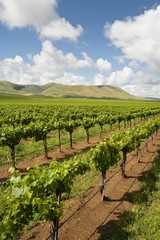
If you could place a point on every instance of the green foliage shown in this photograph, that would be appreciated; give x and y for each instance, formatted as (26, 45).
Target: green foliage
(124, 141)
(34, 196)
(104, 155)
(37, 121)
(10, 136)
(71, 125)
(101, 120)
(59, 124)
(39, 129)
(87, 123)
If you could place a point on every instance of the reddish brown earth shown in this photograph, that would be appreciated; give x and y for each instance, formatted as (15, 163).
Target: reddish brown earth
(92, 220)
(66, 152)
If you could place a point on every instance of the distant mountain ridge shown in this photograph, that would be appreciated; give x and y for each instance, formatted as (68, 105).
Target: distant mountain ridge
(60, 90)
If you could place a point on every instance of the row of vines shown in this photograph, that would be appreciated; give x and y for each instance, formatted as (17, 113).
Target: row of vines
(38, 122)
(37, 196)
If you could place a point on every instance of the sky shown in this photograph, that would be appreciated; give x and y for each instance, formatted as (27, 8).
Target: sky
(82, 42)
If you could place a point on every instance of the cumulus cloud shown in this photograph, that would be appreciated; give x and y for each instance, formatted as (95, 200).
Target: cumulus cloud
(103, 65)
(143, 90)
(99, 79)
(116, 78)
(50, 65)
(41, 15)
(16, 70)
(141, 77)
(71, 79)
(86, 62)
(59, 29)
(138, 37)
(137, 83)
(16, 60)
(22, 13)
(121, 77)
(53, 59)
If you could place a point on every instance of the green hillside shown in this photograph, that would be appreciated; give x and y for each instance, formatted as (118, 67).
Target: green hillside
(66, 91)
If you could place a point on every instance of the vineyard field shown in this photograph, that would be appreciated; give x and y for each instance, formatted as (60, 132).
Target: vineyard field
(102, 113)
(93, 218)
(110, 132)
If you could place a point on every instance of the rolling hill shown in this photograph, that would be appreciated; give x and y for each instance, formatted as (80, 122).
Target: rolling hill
(66, 91)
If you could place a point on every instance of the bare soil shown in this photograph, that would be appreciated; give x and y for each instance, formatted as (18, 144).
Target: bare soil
(96, 216)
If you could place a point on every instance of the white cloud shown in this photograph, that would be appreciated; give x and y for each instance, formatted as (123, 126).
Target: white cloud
(138, 37)
(99, 79)
(116, 78)
(59, 29)
(134, 64)
(52, 59)
(16, 60)
(86, 62)
(143, 90)
(23, 13)
(136, 83)
(141, 78)
(103, 65)
(16, 71)
(39, 14)
(121, 78)
(71, 79)
(50, 65)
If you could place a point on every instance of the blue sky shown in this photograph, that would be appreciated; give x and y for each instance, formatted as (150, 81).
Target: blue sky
(89, 42)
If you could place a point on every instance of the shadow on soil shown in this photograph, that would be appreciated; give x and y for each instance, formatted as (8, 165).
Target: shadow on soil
(117, 229)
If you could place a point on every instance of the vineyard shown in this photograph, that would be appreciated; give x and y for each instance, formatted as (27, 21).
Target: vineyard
(39, 193)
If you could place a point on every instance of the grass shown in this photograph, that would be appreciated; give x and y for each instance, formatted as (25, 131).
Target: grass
(143, 222)
(12, 98)
(146, 212)
(84, 182)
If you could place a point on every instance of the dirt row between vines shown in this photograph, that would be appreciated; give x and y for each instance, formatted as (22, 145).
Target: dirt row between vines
(66, 152)
(93, 220)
